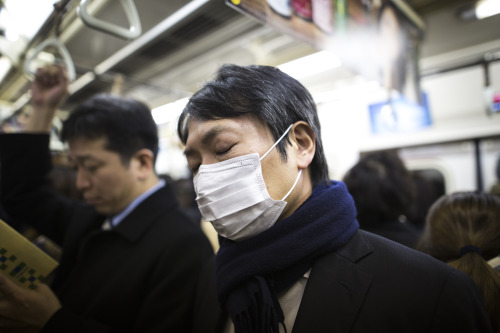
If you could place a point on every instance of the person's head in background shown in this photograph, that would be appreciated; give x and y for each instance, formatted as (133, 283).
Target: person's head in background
(463, 230)
(113, 142)
(258, 104)
(429, 186)
(382, 188)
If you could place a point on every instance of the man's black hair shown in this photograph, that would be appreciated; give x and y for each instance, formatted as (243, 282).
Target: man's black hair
(262, 91)
(126, 124)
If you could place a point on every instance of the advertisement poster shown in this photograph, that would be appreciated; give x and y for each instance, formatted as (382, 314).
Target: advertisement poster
(379, 39)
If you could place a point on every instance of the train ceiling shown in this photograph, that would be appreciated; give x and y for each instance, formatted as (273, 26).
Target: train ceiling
(176, 53)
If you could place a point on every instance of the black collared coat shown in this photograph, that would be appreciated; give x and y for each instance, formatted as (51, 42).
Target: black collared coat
(142, 276)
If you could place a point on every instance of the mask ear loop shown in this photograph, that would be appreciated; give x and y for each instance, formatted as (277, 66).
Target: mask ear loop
(272, 147)
(296, 181)
(288, 129)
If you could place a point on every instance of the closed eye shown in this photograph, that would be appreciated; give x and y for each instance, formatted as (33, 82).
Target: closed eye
(91, 168)
(223, 152)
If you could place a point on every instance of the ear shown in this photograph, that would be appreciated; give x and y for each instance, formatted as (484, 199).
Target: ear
(303, 141)
(143, 160)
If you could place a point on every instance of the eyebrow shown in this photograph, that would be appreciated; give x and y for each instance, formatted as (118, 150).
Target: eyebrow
(208, 137)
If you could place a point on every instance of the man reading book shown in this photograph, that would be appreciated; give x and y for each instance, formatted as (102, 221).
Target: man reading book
(132, 260)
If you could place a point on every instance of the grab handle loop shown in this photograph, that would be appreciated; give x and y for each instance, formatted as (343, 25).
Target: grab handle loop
(54, 42)
(130, 12)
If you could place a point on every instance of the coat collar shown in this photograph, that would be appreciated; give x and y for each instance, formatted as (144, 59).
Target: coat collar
(143, 216)
(335, 290)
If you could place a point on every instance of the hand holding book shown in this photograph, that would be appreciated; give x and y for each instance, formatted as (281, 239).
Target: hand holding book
(21, 260)
(24, 300)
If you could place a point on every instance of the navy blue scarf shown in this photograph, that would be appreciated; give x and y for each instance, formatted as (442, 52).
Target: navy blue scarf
(252, 272)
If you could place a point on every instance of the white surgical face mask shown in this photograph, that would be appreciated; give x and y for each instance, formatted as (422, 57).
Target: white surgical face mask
(232, 196)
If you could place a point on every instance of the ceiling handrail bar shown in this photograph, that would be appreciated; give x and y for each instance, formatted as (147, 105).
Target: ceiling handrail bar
(54, 42)
(130, 10)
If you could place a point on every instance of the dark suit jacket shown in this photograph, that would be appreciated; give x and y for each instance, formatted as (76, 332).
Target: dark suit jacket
(376, 285)
(403, 233)
(142, 276)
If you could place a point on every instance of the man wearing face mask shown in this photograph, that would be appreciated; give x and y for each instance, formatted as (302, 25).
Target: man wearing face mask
(292, 257)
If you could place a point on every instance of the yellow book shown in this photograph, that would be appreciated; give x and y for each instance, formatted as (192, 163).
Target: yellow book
(21, 260)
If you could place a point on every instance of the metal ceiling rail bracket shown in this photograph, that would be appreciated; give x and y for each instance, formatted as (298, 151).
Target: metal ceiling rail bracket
(130, 10)
(54, 42)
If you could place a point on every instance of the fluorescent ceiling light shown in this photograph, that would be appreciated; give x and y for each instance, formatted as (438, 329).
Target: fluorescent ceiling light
(27, 16)
(168, 112)
(487, 8)
(311, 64)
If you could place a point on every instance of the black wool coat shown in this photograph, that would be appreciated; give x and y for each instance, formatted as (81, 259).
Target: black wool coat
(142, 276)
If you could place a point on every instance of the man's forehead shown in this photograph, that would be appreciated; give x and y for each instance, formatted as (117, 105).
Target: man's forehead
(204, 131)
(215, 126)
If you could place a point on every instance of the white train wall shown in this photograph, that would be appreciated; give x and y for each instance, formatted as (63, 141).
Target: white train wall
(462, 137)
